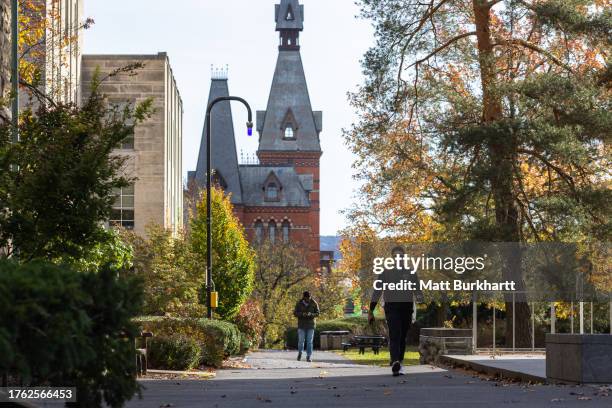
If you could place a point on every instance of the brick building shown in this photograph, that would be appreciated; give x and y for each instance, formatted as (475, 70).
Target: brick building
(278, 198)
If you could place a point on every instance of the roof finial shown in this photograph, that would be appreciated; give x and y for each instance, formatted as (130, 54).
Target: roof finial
(219, 73)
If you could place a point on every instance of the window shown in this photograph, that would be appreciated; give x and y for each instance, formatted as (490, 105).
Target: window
(128, 143)
(272, 232)
(123, 209)
(289, 126)
(117, 111)
(258, 231)
(286, 228)
(272, 192)
(290, 14)
(289, 134)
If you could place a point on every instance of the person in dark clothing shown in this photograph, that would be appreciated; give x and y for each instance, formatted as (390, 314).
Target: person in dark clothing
(399, 307)
(306, 310)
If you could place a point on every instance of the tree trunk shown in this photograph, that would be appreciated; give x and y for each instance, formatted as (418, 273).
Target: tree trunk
(5, 60)
(502, 151)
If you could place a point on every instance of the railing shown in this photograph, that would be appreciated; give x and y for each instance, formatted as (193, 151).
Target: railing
(552, 323)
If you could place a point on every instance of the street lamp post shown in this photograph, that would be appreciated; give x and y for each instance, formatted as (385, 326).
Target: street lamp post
(209, 281)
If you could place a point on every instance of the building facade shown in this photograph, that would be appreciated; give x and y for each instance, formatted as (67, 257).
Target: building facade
(52, 49)
(5, 59)
(155, 153)
(278, 198)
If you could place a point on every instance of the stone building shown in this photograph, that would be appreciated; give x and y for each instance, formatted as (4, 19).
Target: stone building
(155, 153)
(278, 198)
(5, 59)
(57, 55)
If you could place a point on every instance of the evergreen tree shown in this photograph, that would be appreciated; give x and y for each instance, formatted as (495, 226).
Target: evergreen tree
(56, 183)
(486, 120)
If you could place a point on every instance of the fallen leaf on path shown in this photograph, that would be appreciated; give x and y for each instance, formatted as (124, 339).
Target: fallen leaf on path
(263, 399)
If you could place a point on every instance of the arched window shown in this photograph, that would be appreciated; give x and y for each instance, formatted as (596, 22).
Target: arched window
(272, 192)
(272, 232)
(286, 228)
(289, 133)
(258, 231)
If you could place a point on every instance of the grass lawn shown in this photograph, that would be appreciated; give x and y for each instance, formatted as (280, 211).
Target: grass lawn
(382, 359)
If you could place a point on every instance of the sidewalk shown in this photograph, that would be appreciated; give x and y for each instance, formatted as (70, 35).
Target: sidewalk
(277, 380)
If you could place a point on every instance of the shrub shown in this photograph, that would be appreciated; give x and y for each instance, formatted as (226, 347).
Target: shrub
(218, 339)
(60, 327)
(245, 343)
(250, 320)
(354, 325)
(174, 353)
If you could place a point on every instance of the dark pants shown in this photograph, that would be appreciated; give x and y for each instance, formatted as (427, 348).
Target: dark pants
(399, 319)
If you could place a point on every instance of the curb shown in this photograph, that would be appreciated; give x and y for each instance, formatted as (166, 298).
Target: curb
(493, 371)
(204, 375)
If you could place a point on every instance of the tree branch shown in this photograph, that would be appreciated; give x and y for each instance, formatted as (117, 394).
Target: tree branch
(566, 177)
(533, 47)
(442, 47)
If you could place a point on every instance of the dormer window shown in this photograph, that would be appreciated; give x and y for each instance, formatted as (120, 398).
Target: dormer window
(289, 126)
(290, 16)
(289, 134)
(272, 192)
(272, 188)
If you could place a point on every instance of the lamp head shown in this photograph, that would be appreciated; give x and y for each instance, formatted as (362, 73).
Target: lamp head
(250, 128)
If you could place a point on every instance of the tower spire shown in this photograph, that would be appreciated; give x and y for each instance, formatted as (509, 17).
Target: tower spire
(289, 23)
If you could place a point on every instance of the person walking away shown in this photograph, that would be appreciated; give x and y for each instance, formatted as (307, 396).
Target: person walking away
(306, 311)
(399, 307)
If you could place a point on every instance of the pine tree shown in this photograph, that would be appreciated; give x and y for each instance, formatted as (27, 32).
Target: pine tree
(487, 120)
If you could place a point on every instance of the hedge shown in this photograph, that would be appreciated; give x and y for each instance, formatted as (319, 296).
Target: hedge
(354, 325)
(61, 327)
(174, 353)
(217, 339)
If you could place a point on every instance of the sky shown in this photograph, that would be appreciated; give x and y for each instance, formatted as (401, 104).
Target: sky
(241, 34)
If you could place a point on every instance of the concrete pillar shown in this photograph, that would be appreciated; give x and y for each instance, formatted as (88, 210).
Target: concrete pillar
(581, 317)
(474, 323)
(494, 328)
(572, 317)
(553, 318)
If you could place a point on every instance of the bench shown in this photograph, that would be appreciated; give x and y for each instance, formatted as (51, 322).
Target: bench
(141, 344)
(363, 342)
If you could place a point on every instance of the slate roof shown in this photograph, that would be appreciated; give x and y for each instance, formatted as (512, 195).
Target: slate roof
(224, 156)
(297, 23)
(293, 193)
(289, 91)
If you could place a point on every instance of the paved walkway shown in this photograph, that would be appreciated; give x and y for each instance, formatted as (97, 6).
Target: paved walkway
(277, 380)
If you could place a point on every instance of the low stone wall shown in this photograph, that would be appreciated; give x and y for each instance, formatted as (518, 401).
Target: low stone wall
(579, 358)
(438, 341)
